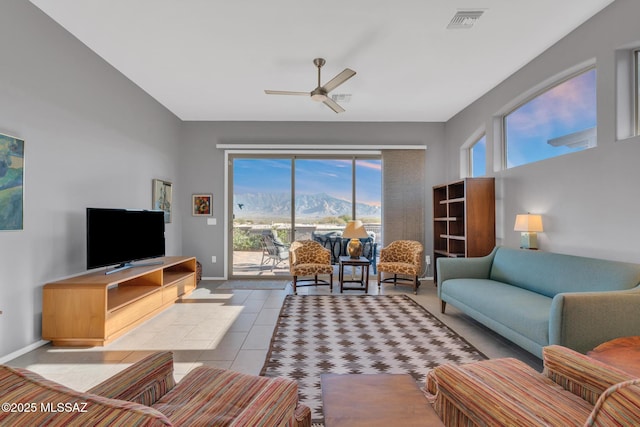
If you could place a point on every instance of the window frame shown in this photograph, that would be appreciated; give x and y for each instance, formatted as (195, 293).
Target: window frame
(636, 90)
(296, 160)
(533, 93)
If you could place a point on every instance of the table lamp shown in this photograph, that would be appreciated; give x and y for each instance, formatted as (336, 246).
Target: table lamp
(354, 231)
(528, 225)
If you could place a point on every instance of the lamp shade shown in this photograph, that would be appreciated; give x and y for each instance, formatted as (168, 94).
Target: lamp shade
(528, 223)
(354, 230)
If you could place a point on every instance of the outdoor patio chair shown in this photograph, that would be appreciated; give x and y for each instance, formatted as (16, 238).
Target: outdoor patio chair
(337, 245)
(273, 250)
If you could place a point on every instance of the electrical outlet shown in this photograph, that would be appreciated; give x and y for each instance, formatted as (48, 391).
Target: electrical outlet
(428, 259)
(214, 259)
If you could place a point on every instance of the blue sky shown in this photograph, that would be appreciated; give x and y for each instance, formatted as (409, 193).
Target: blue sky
(565, 109)
(313, 176)
(479, 157)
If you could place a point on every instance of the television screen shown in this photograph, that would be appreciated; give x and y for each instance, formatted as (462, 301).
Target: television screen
(120, 236)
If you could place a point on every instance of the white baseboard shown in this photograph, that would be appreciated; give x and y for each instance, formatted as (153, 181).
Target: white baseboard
(22, 351)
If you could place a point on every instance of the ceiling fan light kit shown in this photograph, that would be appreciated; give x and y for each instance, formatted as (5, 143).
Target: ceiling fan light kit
(321, 93)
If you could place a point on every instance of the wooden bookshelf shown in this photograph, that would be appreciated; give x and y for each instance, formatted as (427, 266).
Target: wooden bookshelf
(464, 219)
(95, 308)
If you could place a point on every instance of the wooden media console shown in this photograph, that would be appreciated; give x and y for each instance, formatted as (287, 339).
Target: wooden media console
(94, 309)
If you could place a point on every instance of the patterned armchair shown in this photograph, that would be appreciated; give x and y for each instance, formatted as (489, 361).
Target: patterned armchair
(404, 258)
(309, 258)
(572, 390)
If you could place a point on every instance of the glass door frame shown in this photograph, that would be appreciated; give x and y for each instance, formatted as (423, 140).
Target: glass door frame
(353, 156)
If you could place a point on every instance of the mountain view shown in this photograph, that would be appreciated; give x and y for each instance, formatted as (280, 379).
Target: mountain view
(263, 205)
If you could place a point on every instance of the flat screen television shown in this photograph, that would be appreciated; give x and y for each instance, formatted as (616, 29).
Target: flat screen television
(117, 237)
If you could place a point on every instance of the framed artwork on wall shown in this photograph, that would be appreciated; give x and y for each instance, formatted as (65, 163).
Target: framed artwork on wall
(201, 205)
(162, 198)
(11, 183)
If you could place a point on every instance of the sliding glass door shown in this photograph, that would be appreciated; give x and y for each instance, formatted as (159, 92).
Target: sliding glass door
(261, 215)
(318, 195)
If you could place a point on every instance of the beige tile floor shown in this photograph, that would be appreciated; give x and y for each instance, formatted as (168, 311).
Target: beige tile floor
(229, 329)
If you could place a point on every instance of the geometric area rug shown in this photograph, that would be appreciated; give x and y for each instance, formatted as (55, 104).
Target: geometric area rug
(358, 334)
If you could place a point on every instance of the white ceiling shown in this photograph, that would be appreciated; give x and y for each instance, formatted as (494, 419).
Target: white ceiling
(212, 59)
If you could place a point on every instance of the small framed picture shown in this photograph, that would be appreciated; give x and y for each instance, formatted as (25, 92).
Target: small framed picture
(162, 198)
(201, 205)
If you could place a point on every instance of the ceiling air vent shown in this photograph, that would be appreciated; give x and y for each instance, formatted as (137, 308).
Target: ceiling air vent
(464, 19)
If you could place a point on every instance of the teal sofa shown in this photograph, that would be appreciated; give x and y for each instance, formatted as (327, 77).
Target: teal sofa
(536, 298)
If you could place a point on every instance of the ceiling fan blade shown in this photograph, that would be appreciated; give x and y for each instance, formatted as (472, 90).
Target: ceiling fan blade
(333, 105)
(345, 75)
(286, 92)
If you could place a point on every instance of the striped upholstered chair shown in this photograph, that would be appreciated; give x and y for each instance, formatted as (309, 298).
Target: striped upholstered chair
(308, 258)
(145, 394)
(403, 259)
(573, 390)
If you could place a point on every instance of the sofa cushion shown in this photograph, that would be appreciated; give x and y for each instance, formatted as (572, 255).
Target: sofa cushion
(518, 309)
(551, 273)
(210, 396)
(503, 392)
(38, 401)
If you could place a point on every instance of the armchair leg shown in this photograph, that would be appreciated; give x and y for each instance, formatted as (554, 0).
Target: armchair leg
(416, 284)
(295, 291)
(379, 280)
(330, 283)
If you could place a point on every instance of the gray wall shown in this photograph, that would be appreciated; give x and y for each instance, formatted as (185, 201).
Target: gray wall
(589, 200)
(92, 138)
(202, 167)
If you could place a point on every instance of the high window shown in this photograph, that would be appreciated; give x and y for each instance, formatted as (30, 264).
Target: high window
(478, 157)
(559, 121)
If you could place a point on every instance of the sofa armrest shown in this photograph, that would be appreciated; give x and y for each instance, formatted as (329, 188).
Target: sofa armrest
(463, 268)
(619, 402)
(144, 382)
(42, 402)
(584, 320)
(583, 376)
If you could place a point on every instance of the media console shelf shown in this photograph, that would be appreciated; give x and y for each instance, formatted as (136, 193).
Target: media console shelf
(94, 309)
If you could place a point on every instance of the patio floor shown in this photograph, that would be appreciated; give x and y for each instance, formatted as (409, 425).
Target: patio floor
(250, 263)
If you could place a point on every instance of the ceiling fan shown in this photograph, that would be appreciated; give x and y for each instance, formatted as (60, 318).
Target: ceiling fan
(321, 93)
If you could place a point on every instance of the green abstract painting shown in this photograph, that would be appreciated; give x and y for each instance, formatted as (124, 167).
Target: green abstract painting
(11, 179)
